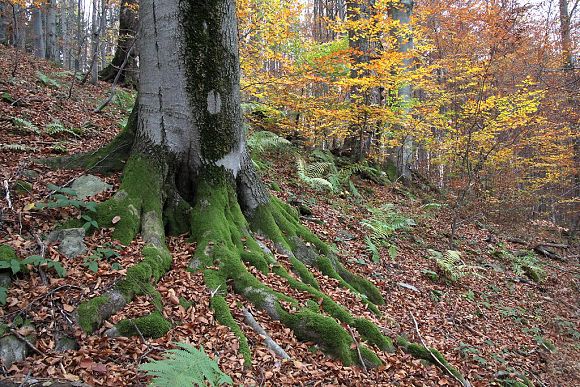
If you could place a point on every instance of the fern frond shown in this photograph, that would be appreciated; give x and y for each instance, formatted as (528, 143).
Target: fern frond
(186, 366)
(314, 182)
(24, 125)
(55, 128)
(17, 148)
(263, 141)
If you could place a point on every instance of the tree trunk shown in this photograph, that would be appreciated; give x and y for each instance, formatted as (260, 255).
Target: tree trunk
(565, 39)
(39, 42)
(3, 23)
(51, 44)
(94, 43)
(64, 19)
(128, 22)
(188, 169)
(402, 13)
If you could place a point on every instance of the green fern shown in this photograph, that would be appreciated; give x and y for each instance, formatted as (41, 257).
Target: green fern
(47, 81)
(385, 221)
(263, 141)
(315, 182)
(56, 128)
(17, 148)
(24, 125)
(451, 265)
(186, 367)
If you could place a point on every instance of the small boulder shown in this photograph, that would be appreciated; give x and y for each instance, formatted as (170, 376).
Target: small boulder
(71, 241)
(12, 349)
(89, 185)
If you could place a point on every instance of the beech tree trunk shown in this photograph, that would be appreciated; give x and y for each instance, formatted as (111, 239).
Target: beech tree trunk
(3, 23)
(39, 42)
(402, 12)
(51, 44)
(128, 23)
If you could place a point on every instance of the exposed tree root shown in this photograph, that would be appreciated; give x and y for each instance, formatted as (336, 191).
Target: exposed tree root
(147, 203)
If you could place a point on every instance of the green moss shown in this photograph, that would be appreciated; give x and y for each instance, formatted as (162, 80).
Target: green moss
(371, 333)
(369, 357)
(156, 262)
(224, 316)
(185, 303)
(310, 326)
(7, 253)
(256, 260)
(153, 325)
(363, 286)
(304, 273)
(275, 187)
(88, 312)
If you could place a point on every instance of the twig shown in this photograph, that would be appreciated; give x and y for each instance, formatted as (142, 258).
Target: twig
(51, 292)
(139, 332)
(271, 344)
(464, 382)
(360, 358)
(110, 98)
(25, 340)
(7, 195)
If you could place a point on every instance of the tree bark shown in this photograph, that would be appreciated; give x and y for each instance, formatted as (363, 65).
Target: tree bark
(402, 13)
(128, 24)
(3, 23)
(565, 29)
(39, 42)
(51, 44)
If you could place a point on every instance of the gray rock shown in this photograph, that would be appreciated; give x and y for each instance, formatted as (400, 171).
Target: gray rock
(89, 185)
(12, 349)
(408, 286)
(5, 279)
(71, 241)
(66, 343)
(30, 174)
(264, 248)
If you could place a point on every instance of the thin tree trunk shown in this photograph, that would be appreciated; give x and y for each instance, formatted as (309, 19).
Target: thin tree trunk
(39, 43)
(51, 44)
(94, 43)
(78, 60)
(565, 39)
(3, 23)
(128, 24)
(402, 12)
(64, 18)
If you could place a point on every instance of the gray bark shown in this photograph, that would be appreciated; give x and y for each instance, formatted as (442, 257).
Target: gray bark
(39, 46)
(189, 92)
(19, 15)
(51, 46)
(94, 44)
(64, 22)
(3, 23)
(402, 12)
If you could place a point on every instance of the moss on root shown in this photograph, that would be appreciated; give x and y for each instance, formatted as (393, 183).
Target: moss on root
(89, 313)
(421, 352)
(153, 325)
(156, 262)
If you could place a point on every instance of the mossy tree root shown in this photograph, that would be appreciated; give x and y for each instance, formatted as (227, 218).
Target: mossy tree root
(110, 158)
(421, 352)
(225, 244)
(280, 223)
(137, 207)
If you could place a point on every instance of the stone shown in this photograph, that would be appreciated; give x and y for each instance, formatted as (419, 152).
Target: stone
(89, 185)
(30, 174)
(66, 343)
(71, 241)
(12, 350)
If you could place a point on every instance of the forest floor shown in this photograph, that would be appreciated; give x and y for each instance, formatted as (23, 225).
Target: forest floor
(492, 324)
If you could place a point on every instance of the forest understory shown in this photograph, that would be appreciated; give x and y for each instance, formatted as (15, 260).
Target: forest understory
(495, 324)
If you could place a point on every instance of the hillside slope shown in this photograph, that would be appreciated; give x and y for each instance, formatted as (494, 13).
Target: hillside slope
(494, 322)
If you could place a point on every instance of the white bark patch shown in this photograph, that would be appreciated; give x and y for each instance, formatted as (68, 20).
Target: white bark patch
(231, 162)
(214, 102)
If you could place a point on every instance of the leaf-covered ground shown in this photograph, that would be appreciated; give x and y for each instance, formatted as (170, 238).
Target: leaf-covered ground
(492, 324)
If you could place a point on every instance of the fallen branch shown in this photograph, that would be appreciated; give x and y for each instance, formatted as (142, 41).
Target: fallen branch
(554, 245)
(540, 249)
(360, 358)
(464, 382)
(7, 197)
(271, 344)
(26, 341)
(110, 98)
